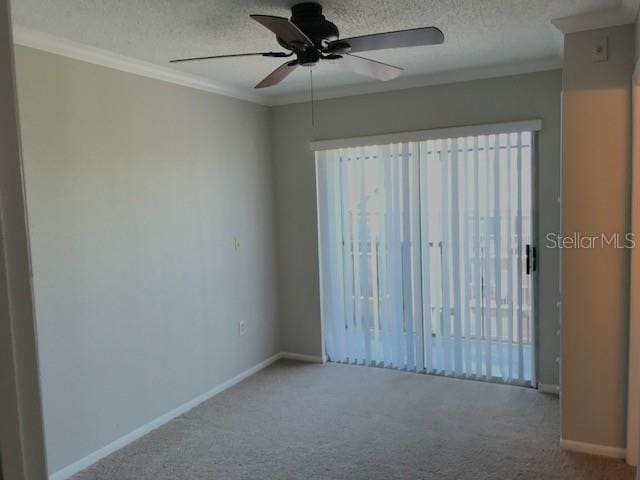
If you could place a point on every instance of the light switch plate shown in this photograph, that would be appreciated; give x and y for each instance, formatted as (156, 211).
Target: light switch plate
(600, 50)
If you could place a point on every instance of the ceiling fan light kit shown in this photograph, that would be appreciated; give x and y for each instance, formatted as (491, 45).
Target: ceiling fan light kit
(311, 38)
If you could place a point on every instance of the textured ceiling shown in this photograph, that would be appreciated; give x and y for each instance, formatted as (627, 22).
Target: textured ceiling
(479, 33)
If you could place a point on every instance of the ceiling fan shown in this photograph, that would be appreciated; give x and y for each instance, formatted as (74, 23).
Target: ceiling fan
(311, 38)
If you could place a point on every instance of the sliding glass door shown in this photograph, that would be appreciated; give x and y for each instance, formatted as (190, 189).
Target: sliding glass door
(427, 258)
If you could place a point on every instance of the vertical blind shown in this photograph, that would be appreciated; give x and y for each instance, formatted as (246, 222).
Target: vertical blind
(422, 255)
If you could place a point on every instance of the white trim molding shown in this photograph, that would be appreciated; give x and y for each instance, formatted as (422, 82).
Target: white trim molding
(46, 42)
(123, 441)
(633, 378)
(549, 388)
(425, 80)
(592, 449)
(432, 134)
(610, 17)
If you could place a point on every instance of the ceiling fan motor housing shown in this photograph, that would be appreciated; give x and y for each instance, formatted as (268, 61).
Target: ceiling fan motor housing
(308, 58)
(308, 17)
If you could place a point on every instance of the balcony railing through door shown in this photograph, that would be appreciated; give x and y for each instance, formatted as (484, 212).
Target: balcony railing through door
(424, 261)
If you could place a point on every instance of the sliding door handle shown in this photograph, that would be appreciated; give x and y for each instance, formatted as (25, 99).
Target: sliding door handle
(531, 262)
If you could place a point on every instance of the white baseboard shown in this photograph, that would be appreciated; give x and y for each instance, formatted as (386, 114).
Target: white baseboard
(302, 358)
(592, 449)
(549, 388)
(92, 458)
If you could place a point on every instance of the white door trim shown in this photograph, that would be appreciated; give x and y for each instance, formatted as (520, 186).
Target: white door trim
(21, 427)
(633, 391)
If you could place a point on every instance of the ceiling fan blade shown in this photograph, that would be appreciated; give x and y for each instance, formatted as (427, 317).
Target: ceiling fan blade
(263, 54)
(402, 38)
(285, 30)
(370, 68)
(279, 74)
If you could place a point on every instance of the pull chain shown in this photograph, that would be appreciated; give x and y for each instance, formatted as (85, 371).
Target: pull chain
(312, 109)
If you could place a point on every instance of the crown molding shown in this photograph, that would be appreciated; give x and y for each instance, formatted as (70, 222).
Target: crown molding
(28, 37)
(624, 14)
(452, 76)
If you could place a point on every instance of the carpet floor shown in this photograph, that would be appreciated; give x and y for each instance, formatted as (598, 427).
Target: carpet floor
(304, 421)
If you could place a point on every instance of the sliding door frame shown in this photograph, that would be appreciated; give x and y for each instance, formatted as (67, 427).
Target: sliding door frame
(533, 126)
(535, 295)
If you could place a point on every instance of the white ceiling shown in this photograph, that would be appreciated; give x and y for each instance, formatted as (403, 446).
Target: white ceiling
(480, 34)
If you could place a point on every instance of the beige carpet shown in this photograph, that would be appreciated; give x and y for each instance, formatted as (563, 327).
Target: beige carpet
(303, 421)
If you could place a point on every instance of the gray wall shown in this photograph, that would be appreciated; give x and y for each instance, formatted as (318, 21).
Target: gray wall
(596, 139)
(22, 454)
(135, 191)
(484, 101)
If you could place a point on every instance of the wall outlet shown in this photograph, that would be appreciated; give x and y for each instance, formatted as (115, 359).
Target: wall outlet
(600, 50)
(242, 328)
